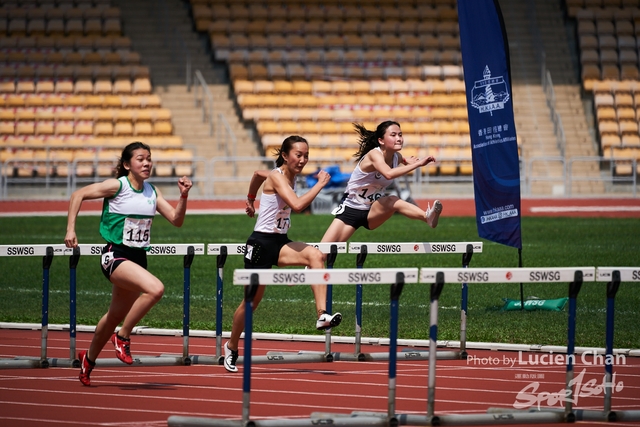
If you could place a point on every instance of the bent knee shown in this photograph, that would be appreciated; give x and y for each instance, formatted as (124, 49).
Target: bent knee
(388, 201)
(316, 259)
(156, 291)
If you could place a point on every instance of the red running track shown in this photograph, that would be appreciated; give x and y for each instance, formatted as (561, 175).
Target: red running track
(148, 396)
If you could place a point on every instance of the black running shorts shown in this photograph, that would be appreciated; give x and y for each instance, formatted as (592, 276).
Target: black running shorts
(354, 217)
(263, 249)
(113, 255)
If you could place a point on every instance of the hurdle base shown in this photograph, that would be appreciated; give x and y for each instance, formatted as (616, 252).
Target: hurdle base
(390, 421)
(23, 363)
(482, 419)
(142, 361)
(295, 357)
(179, 421)
(194, 359)
(399, 419)
(582, 414)
(400, 356)
(284, 358)
(628, 415)
(337, 420)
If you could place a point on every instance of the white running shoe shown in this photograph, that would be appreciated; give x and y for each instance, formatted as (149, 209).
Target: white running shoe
(326, 321)
(230, 358)
(433, 214)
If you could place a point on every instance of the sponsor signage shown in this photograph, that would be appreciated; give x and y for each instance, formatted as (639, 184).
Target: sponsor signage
(507, 275)
(416, 248)
(335, 276)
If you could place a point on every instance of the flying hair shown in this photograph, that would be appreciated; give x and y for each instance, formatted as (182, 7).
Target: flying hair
(368, 139)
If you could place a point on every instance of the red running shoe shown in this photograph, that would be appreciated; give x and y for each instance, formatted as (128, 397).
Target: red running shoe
(122, 348)
(85, 368)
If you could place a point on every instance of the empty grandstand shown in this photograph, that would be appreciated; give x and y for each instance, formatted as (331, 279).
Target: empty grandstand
(214, 85)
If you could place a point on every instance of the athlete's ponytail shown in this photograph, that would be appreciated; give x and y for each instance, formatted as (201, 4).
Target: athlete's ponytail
(368, 140)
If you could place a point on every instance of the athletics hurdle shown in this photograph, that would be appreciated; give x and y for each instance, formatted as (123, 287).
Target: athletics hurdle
(251, 279)
(613, 276)
(221, 250)
(438, 277)
(467, 249)
(49, 251)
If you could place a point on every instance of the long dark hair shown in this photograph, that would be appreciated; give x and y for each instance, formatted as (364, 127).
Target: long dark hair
(286, 146)
(368, 139)
(127, 154)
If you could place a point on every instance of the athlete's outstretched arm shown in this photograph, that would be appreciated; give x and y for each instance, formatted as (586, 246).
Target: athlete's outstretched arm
(175, 215)
(99, 190)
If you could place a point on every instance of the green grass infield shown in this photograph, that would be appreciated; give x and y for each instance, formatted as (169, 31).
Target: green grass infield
(547, 242)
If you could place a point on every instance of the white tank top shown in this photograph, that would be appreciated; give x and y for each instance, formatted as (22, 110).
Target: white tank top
(275, 214)
(364, 188)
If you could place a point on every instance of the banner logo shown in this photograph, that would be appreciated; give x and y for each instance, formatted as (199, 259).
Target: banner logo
(490, 93)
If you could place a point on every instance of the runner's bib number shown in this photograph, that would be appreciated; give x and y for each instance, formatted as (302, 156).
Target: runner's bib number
(283, 221)
(137, 232)
(370, 194)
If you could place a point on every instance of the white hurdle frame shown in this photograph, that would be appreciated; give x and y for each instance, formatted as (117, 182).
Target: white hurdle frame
(221, 251)
(438, 277)
(614, 276)
(95, 249)
(362, 249)
(251, 279)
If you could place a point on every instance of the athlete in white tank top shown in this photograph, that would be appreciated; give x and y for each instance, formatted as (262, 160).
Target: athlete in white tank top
(364, 188)
(366, 203)
(275, 213)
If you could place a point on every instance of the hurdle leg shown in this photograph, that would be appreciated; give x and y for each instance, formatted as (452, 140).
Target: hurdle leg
(466, 259)
(249, 293)
(574, 289)
(46, 265)
(612, 290)
(186, 304)
(331, 258)
(360, 259)
(220, 261)
(436, 289)
(396, 290)
(73, 263)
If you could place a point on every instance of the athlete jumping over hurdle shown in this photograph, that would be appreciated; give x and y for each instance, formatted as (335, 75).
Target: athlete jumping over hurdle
(269, 244)
(365, 203)
(128, 209)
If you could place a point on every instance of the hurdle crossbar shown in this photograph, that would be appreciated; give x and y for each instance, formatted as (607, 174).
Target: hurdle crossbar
(362, 249)
(74, 254)
(439, 276)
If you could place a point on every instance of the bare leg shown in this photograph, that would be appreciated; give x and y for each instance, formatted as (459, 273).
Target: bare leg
(238, 318)
(338, 231)
(134, 292)
(385, 207)
(298, 253)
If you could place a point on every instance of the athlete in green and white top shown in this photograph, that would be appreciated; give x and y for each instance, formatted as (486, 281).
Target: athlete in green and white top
(129, 206)
(127, 216)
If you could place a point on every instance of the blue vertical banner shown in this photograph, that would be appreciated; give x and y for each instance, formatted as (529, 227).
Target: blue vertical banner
(487, 76)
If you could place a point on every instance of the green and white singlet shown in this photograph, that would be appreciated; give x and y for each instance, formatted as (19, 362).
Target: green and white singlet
(127, 216)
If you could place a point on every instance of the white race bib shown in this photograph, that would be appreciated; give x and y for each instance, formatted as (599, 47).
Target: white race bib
(137, 232)
(370, 194)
